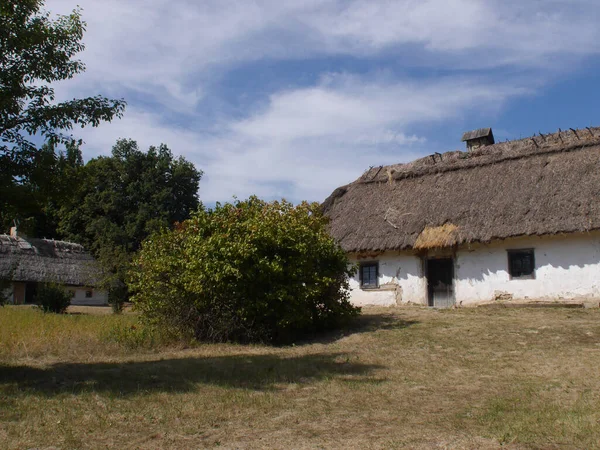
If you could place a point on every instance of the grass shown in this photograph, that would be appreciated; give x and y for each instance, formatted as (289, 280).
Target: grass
(402, 378)
(86, 333)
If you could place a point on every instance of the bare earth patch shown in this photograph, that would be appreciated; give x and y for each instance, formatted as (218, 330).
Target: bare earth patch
(401, 378)
(95, 310)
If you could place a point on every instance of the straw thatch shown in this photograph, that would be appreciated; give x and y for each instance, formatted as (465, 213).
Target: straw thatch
(437, 237)
(43, 260)
(535, 186)
(477, 134)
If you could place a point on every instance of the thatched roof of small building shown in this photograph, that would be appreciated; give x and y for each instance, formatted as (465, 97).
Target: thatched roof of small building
(546, 184)
(45, 260)
(476, 134)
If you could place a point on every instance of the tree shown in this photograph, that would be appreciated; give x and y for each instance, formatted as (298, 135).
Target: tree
(118, 201)
(36, 51)
(46, 187)
(248, 272)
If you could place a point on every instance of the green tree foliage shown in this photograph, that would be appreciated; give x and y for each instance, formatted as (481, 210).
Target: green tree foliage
(118, 201)
(52, 298)
(35, 51)
(249, 272)
(4, 292)
(47, 186)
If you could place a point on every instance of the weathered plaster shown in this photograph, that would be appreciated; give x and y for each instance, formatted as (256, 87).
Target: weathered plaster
(99, 297)
(567, 267)
(400, 280)
(16, 295)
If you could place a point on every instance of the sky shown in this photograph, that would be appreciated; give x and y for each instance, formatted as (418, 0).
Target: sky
(291, 99)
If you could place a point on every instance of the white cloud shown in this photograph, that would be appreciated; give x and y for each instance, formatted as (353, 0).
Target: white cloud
(304, 141)
(308, 141)
(524, 29)
(171, 48)
(346, 105)
(142, 126)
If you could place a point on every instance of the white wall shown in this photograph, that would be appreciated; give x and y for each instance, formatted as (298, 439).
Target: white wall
(396, 270)
(99, 297)
(566, 267)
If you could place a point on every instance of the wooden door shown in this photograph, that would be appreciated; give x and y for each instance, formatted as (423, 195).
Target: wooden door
(440, 282)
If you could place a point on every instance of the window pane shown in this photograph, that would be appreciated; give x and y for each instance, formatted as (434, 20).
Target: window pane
(365, 275)
(369, 275)
(521, 263)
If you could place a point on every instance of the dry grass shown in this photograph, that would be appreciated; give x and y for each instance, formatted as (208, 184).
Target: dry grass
(27, 335)
(403, 378)
(437, 237)
(93, 310)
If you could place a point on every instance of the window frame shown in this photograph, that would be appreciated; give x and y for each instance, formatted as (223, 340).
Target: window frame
(360, 275)
(89, 294)
(510, 253)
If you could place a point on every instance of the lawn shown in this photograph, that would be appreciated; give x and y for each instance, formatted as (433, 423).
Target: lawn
(400, 378)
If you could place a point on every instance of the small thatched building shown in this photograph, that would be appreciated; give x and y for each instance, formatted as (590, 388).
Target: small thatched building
(514, 220)
(26, 262)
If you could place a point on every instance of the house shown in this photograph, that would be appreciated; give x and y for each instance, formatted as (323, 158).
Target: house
(26, 262)
(512, 221)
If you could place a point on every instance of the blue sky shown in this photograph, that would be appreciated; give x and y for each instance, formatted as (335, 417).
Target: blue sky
(294, 98)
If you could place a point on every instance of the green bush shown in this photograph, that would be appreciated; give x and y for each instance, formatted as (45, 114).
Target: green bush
(251, 271)
(52, 298)
(117, 296)
(5, 288)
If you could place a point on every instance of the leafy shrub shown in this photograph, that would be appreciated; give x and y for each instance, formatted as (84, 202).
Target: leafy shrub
(52, 298)
(117, 296)
(5, 289)
(251, 271)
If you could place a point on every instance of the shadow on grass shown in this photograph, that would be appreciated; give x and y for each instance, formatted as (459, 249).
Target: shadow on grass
(365, 323)
(256, 372)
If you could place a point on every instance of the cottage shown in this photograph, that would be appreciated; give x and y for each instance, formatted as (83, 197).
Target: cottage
(26, 262)
(516, 220)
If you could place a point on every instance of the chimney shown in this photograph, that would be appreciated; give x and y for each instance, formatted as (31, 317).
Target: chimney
(478, 138)
(13, 232)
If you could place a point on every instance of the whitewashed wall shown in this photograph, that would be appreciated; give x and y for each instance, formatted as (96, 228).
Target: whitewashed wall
(567, 267)
(396, 270)
(99, 297)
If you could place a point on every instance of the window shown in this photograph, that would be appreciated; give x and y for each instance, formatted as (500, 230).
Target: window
(89, 294)
(521, 264)
(369, 273)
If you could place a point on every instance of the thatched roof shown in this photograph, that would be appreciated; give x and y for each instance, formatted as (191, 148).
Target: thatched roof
(476, 134)
(542, 185)
(44, 260)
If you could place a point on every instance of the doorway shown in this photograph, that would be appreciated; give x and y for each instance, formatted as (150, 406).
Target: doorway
(30, 293)
(440, 286)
